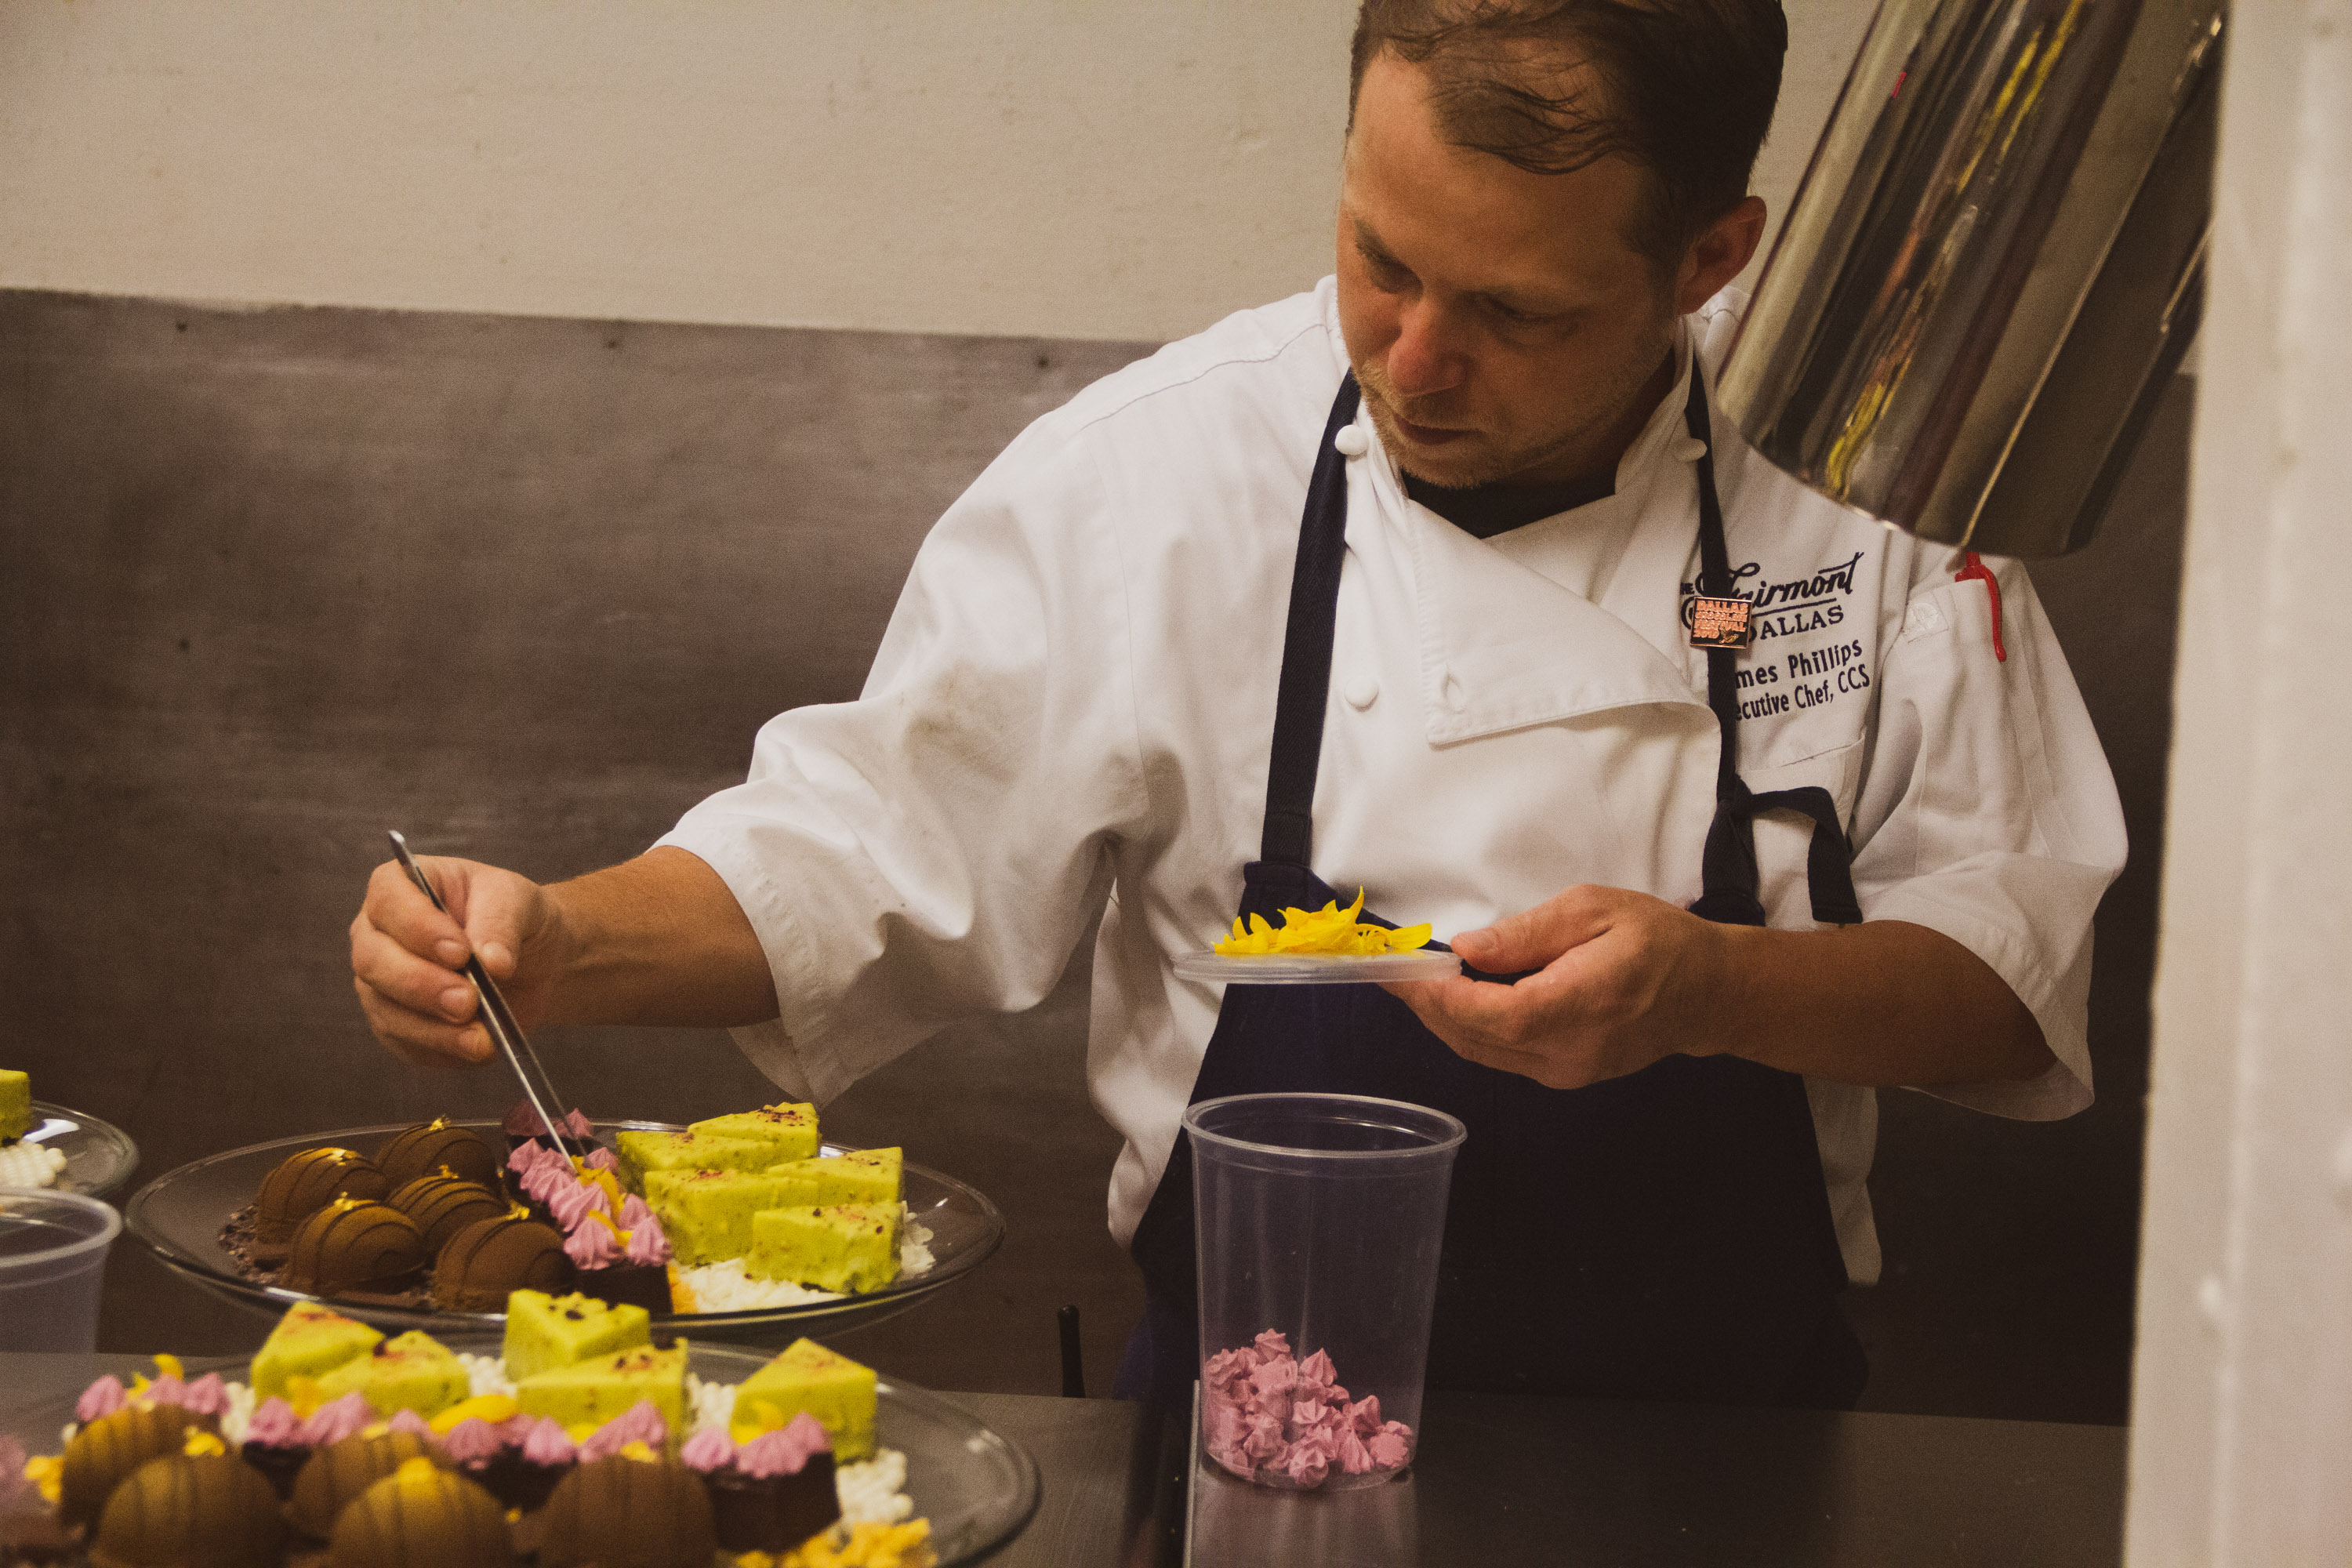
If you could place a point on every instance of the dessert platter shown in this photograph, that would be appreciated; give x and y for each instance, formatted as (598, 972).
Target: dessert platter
(48, 1146)
(571, 1439)
(732, 1224)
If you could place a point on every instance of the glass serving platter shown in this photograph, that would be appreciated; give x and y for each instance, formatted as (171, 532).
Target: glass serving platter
(976, 1487)
(100, 1156)
(179, 1217)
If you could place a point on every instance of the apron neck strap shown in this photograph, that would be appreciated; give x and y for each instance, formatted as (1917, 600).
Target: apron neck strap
(1300, 701)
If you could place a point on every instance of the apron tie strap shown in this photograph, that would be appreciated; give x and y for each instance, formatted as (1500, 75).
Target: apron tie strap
(1728, 870)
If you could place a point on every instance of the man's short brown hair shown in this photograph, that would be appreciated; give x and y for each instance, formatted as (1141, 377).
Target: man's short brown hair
(1683, 88)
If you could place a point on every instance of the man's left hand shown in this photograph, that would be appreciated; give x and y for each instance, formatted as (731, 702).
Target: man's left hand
(1622, 979)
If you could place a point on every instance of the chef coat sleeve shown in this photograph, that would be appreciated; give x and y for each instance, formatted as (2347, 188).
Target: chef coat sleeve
(1987, 813)
(935, 849)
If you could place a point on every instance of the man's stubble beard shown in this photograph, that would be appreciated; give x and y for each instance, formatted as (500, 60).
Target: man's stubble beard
(1488, 465)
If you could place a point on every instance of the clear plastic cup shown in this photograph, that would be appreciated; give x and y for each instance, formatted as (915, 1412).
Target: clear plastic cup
(1318, 1219)
(52, 1260)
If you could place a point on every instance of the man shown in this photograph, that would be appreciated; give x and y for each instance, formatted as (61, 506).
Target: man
(1393, 582)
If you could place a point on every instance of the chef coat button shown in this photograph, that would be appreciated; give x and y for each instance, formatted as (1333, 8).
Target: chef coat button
(1362, 692)
(1351, 442)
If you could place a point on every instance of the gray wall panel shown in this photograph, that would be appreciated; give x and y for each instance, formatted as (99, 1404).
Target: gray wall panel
(277, 580)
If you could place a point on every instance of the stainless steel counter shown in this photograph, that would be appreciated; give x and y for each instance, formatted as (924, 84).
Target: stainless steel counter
(1518, 1480)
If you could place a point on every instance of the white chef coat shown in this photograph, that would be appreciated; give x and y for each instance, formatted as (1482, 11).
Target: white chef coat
(1071, 709)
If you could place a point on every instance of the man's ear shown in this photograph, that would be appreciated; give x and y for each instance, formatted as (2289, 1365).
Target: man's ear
(1718, 254)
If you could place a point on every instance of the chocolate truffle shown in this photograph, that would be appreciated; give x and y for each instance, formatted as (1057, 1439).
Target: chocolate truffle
(444, 1206)
(421, 1517)
(351, 1245)
(340, 1471)
(202, 1510)
(108, 1449)
(306, 1182)
(435, 1147)
(489, 1258)
(629, 1513)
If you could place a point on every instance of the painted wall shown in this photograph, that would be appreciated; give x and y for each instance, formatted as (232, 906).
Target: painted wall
(2242, 1392)
(1031, 167)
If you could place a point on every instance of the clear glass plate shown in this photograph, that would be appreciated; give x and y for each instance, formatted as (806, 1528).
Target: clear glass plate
(1316, 968)
(179, 1217)
(977, 1487)
(100, 1156)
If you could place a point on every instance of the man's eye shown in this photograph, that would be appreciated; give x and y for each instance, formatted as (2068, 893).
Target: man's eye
(1386, 271)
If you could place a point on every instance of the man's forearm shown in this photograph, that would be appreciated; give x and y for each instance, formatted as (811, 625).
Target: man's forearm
(657, 939)
(1882, 1002)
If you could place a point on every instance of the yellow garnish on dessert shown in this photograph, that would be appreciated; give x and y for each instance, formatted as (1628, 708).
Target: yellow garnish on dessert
(867, 1545)
(681, 1294)
(302, 1393)
(201, 1444)
(47, 1474)
(419, 1468)
(169, 1365)
(1328, 930)
(490, 1407)
(637, 1450)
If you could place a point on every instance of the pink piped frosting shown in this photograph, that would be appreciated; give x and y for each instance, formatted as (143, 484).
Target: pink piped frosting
(709, 1449)
(600, 1158)
(1269, 1415)
(410, 1422)
(785, 1451)
(578, 1125)
(548, 1444)
(641, 1423)
(337, 1419)
(474, 1441)
(648, 1243)
(593, 1246)
(101, 1399)
(573, 1203)
(274, 1425)
(634, 1213)
(208, 1396)
(166, 1390)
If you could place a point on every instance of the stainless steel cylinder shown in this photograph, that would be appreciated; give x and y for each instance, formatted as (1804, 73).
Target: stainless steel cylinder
(1991, 267)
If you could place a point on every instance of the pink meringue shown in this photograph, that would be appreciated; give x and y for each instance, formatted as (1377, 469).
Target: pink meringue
(1267, 1415)
(641, 1423)
(649, 1244)
(101, 1398)
(785, 1451)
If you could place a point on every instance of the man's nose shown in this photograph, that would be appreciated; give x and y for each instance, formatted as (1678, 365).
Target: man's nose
(1424, 360)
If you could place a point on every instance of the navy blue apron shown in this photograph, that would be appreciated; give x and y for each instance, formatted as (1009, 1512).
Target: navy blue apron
(1661, 1236)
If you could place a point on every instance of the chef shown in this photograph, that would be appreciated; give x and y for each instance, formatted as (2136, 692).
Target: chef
(1402, 584)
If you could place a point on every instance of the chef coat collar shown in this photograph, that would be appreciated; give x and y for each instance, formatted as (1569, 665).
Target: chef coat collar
(1502, 645)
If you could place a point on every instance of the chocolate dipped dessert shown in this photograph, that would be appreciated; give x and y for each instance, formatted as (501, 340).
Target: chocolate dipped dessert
(306, 1182)
(435, 1149)
(489, 1258)
(629, 1513)
(190, 1511)
(443, 1205)
(339, 1472)
(354, 1248)
(106, 1451)
(420, 1516)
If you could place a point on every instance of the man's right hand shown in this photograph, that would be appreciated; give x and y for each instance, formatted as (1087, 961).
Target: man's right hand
(407, 957)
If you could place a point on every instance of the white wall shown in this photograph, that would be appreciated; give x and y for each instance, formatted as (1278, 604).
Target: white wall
(2242, 1443)
(1107, 169)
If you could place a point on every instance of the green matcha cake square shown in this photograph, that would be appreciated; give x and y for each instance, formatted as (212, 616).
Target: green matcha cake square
(585, 1395)
(808, 1377)
(547, 1332)
(414, 1372)
(868, 1177)
(847, 1247)
(706, 1214)
(789, 1129)
(641, 1152)
(15, 1104)
(309, 1340)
